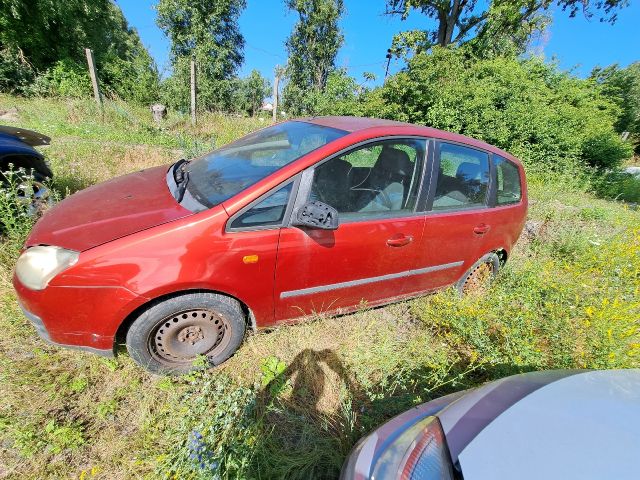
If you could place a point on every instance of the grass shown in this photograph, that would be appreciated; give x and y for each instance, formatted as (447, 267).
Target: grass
(291, 402)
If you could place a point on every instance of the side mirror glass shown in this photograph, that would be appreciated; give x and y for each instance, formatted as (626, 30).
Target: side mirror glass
(317, 215)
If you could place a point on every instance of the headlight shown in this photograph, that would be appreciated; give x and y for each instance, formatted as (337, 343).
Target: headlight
(38, 265)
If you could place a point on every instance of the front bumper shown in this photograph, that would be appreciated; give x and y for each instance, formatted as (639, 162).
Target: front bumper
(42, 332)
(81, 317)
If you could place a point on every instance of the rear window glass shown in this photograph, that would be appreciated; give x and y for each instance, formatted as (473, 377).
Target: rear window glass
(508, 182)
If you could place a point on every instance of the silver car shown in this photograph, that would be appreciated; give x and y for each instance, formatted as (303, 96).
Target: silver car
(562, 424)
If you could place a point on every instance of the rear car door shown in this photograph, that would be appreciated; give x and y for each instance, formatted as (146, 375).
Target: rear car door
(368, 259)
(458, 218)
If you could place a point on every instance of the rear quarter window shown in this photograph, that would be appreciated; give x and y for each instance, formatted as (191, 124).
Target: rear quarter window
(508, 184)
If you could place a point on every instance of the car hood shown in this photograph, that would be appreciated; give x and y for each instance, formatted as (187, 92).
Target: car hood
(108, 211)
(572, 424)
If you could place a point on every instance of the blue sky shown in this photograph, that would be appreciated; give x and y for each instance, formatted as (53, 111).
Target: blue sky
(577, 44)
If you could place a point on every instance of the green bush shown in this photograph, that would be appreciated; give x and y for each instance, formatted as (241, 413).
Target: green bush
(619, 185)
(556, 123)
(65, 79)
(15, 71)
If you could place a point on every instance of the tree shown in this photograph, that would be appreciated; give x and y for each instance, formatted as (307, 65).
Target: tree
(209, 32)
(556, 123)
(58, 33)
(458, 20)
(622, 86)
(312, 47)
(254, 90)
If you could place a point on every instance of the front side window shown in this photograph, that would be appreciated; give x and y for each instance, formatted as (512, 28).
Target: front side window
(223, 173)
(508, 189)
(267, 212)
(378, 179)
(463, 178)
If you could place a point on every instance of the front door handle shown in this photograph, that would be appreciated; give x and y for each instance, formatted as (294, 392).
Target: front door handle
(481, 229)
(400, 240)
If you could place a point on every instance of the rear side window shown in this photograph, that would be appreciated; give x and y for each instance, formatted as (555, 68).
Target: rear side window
(508, 187)
(268, 212)
(463, 178)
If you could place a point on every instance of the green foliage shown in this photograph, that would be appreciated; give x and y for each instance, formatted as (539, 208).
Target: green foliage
(555, 122)
(16, 194)
(65, 79)
(312, 47)
(16, 73)
(217, 432)
(272, 370)
(619, 186)
(58, 33)
(252, 92)
(622, 86)
(496, 25)
(209, 32)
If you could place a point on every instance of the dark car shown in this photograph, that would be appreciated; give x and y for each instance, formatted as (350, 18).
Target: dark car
(314, 215)
(563, 424)
(19, 158)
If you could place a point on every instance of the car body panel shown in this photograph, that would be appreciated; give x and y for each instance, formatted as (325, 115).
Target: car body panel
(29, 137)
(16, 149)
(583, 426)
(549, 424)
(324, 270)
(133, 235)
(108, 210)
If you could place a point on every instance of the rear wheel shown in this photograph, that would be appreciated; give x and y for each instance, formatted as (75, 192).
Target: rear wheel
(169, 336)
(478, 279)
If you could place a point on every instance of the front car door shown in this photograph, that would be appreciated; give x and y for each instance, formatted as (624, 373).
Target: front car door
(375, 187)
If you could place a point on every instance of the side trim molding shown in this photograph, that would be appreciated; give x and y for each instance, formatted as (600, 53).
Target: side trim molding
(364, 281)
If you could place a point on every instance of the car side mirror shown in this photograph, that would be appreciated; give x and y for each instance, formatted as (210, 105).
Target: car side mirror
(317, 215)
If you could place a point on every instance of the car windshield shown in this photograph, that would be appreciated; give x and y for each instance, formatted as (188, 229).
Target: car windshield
(221, 174)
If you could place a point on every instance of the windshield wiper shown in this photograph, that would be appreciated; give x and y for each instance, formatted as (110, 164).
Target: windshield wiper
(181, 177)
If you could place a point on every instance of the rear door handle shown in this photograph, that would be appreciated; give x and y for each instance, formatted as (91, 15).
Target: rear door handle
(481, 229)
(400, 240)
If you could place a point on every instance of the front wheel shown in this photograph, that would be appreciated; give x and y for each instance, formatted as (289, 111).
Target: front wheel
(170, 335)
(480, 276)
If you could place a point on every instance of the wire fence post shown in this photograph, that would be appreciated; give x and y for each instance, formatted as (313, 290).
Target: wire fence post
(276, 81)
(94, 76)
(193, 91)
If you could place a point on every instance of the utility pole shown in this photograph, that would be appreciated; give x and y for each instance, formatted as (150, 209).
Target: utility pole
(386, 73)
(276, 81)
(94, 76)
(193, 91)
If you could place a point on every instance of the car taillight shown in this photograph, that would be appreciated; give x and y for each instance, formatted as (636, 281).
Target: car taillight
(419, 453)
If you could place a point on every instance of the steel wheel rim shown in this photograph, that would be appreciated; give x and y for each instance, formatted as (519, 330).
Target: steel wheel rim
(183, 336)
(478, 280)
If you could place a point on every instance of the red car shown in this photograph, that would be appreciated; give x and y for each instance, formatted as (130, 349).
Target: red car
(312, 215)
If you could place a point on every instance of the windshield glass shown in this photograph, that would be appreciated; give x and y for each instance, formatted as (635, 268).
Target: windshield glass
(221, 174)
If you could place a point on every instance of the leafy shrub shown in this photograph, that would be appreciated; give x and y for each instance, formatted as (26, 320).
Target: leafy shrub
(15, 71)
(618, 185)
(16, 194)
(217, 433)
(65, 79)
(556, 123)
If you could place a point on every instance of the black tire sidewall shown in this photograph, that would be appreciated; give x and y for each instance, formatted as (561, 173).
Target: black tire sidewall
(491, 258)
(146, 323)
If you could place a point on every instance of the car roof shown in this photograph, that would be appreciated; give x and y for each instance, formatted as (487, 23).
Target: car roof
(357, 124)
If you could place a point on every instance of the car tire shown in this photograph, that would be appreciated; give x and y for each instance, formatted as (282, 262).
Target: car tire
(480, 276)
(171, 334)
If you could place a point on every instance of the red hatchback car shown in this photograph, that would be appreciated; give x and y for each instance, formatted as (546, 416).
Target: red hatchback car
(311, 215)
